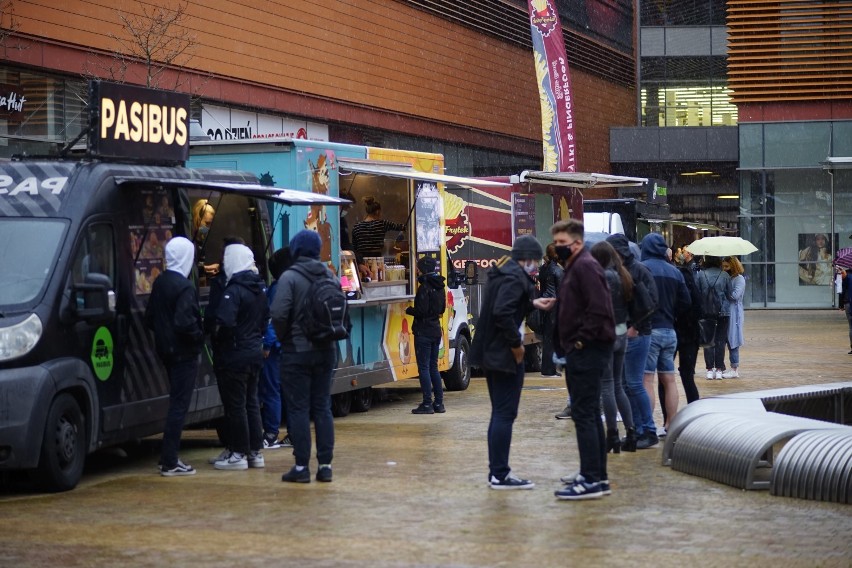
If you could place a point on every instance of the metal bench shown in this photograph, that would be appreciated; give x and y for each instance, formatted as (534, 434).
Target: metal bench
(730, 448)
(815, 465)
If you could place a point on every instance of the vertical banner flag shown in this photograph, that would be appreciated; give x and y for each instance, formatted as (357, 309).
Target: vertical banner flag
(554, 88)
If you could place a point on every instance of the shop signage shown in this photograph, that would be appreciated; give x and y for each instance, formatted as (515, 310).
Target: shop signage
(222, 123)
(12, 102)
(136, 123)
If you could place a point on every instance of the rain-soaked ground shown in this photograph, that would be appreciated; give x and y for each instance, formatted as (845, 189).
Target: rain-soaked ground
(411, 491)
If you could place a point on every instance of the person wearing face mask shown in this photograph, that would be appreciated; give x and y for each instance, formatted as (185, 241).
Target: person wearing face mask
(498, 349)
(587, 336)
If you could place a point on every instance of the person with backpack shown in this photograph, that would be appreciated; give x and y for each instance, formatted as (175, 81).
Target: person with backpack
(309, 314)
(714, 287)
(686, 329)
(429, 303)
(241, 319)
(174, 316)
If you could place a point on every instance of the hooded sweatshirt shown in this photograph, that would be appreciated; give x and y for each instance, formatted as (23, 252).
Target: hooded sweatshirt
(429, 303)
(243, 313)
(641, 277)
(293, 287)
(172, 312)
(673, 295)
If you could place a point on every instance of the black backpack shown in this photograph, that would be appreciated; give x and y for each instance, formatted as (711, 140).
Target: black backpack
(711, 307)
(324, 311)
(436, 302)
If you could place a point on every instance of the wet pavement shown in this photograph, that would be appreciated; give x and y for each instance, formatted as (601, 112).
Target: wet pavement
(411, 491)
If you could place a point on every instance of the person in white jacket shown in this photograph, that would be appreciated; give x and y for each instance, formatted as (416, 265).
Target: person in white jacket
(735, 269)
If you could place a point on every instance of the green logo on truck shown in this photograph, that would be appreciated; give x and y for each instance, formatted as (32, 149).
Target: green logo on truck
(102, 360)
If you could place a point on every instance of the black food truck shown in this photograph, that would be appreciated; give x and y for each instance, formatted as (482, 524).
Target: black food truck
(81, 242)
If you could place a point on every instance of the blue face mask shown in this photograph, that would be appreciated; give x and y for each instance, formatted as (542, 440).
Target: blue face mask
(203, 230)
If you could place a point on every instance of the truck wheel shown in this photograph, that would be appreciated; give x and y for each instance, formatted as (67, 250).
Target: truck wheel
(63, 448)
(532, 357)
(341, 404)
(362, 399)
(457, 377)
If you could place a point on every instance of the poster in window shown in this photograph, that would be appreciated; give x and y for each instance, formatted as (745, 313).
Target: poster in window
(815, 259)
(428, 209)
(523, 215)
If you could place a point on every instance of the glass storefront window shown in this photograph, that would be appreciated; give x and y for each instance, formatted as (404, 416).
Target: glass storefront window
(682, 13)
(842, 137)
(796, 143)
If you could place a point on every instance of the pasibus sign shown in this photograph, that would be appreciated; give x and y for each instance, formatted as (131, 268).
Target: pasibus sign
(554, 88)
(136, 123)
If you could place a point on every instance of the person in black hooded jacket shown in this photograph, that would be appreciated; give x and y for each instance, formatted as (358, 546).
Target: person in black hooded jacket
(241, 319)
(429, 303)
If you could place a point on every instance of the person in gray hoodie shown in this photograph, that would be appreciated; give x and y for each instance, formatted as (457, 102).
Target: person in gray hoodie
(174, 316)
(306, 367)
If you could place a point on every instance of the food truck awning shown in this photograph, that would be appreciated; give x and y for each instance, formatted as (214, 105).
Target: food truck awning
(581, 180)
(277, 194)
(406, 171)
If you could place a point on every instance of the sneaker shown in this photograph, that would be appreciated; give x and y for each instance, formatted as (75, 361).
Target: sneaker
(565, 414)
(731, 374)
(234, 461)
(286, 442)
(424, 408)
(296, 476)
(577, 476)
(579, 491)
(270, 442)
(223, 455)
(439, 408)
(510, 482)
(324, 473)
(554, 376)
(647, 440)
(178, 470)
(661, 432)
(711, 374)
(255, 459)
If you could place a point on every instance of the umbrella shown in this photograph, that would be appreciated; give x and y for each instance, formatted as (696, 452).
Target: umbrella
(844, 258)
(721, 246)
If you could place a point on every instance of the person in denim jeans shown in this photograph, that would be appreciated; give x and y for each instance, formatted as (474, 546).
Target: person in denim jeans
(674, 299)
(429, 303)
(306, 366)
(638, 344)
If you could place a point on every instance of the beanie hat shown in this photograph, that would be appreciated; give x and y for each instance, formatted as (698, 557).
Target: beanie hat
(526, 247)
(427, 265)
(279, 262)
(305, 243)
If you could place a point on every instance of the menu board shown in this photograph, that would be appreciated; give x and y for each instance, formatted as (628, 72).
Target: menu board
(149, 233)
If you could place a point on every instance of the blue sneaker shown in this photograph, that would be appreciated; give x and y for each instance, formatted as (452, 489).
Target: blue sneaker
(577, 476)
(579, 491)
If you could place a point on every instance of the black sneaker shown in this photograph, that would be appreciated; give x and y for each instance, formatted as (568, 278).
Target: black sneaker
(270, 442)
(579, 491)
(510, 482)
(324, 473)
(577, 476)
(424, 408)
(565, 414)
(438, 407)
(180, 469)
(296, 476)
(647, 440)
(286, 442)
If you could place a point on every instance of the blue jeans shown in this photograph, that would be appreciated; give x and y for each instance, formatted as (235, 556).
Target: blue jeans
(612, 389)
(242, 411)
(269, 390)
(426, 352)
(735, 356)
(504, 390)
(306, 381)
(584, 372)
(182, 375)
(634, 383)
(661, 351)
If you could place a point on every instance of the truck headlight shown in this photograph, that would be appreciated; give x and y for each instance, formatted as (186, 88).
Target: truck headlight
(19, 339)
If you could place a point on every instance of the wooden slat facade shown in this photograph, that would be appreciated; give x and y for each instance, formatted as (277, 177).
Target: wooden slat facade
(789, 50)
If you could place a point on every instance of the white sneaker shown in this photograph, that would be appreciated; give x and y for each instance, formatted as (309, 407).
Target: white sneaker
(255, 459)
(661, 432)
(234, 461)
(711, 374)
(223, 455)
(730, 374)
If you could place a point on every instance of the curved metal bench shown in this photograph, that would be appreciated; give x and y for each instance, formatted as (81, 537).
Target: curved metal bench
(815, 465)
(729, 448)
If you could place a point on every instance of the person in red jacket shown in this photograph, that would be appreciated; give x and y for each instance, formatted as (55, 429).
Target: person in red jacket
(586, 335)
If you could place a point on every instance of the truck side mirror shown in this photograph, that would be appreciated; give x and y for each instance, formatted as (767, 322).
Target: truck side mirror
(93, 300)
(471, 272)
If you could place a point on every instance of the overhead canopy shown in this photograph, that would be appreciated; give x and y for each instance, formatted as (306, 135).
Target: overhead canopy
(692, 225)
(582, 180)
(276, 194)
(837, 163)
(406, 171)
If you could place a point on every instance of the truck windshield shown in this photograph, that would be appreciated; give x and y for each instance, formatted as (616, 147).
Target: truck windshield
(28, 249)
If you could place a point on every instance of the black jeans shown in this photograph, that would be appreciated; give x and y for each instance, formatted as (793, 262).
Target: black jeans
(548, 367)
(242, 410)
(182, 375)
(584, 371)
(504, 390)
(714, 357)
(306, 382)
(687, 356)
(426, 352)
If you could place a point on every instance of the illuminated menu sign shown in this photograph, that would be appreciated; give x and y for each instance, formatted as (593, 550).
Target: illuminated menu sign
(138, 124)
